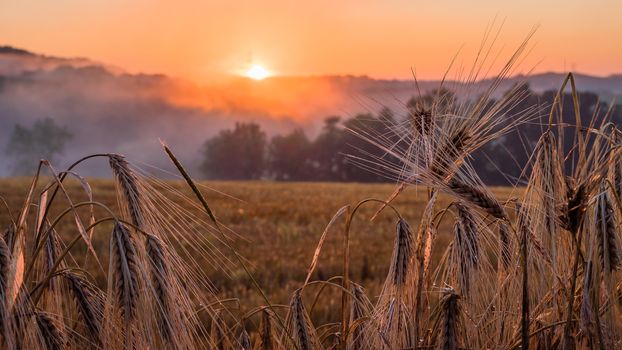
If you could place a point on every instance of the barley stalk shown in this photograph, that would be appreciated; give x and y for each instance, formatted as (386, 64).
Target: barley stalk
(478, 197)
(89, 301)
(129, 186)
(161, 285)
(52, 336)
(505, 254)
(124, 263)
(265, 330)
(5, 263)
(450, 313)
(466, 247)
(606, 230)
(402, 253)
(244, 341)
(301, 329)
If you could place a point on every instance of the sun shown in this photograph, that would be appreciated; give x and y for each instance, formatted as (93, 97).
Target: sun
(257, 72)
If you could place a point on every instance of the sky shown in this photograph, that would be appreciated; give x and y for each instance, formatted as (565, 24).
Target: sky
(205, 41)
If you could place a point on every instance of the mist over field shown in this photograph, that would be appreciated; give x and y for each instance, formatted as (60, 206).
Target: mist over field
(109, 110)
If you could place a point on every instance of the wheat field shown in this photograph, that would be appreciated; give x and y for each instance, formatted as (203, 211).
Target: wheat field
(275, 230)
(435, 260)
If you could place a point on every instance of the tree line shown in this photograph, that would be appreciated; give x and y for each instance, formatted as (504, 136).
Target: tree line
(246, 153)
(339, 153)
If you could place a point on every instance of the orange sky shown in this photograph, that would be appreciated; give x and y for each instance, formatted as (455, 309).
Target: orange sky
(206, 40)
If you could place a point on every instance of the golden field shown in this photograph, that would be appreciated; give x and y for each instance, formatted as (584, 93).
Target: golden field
(276, 227)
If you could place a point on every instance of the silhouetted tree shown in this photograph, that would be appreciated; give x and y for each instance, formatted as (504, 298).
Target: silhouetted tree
(236, 154)
(342, 151)
(326, 158)
(44, 140)
(516, 147)
(290, 157)
(386, 116)
(365, 158)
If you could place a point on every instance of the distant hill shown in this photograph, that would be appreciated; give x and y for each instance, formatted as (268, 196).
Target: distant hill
(109, 110)
(9, 50)
(15, 61)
